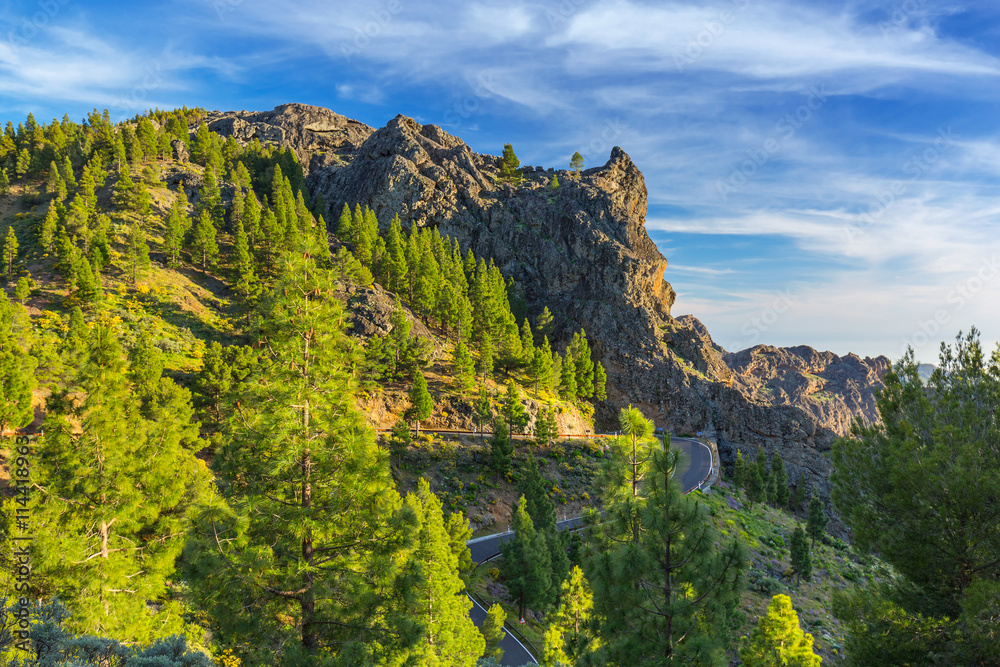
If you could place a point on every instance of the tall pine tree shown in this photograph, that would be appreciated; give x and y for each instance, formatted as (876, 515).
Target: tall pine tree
(303, 477)
(117, 490)
(526, 568)
(436, 603)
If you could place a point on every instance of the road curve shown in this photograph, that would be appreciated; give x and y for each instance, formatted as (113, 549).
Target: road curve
(514, 652)
(692, 469)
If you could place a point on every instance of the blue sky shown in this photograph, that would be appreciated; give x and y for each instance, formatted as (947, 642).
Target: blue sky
(819, 173)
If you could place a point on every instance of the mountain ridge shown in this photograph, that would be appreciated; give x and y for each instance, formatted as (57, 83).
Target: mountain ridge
(583, 250)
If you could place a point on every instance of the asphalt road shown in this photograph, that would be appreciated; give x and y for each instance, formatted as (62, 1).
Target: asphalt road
(693, 468)
(514, 652)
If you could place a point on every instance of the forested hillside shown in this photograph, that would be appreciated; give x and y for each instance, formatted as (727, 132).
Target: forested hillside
(216, 392)
(175, 324)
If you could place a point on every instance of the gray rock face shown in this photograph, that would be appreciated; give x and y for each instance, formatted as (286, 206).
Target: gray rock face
(834, 390)
(582, 250)
(371, 310)
(181, 153)
(319, 137)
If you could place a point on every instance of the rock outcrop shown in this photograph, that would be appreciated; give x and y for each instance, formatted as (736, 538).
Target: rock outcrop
(319, 137)
(582, 250)
(834, 390)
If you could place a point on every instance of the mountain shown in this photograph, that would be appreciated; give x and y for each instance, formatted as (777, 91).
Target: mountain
(582, 250)
(925, 371)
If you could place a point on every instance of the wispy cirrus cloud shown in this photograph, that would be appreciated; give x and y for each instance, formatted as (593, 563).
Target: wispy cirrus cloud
(692, 90)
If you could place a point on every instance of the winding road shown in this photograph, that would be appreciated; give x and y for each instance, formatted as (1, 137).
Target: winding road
(693, 469)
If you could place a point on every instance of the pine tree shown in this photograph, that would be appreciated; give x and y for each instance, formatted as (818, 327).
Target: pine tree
(583, 365)
(345, 225)
(501, 450)
(436, 602)
(464, 368)
(400, 440)
(4, 182)
(210, 198)
(485, 365)
(800, 556)
(554, 183)
(87, 281)
(273, 235)
(800, 492)
(540, 368)
(781, 490)
(17, 382)
(739, 471)
(535, 490)
(546, 427)
(576, 164)
(251, 219)
(177, 225)
(47, 232)
(203, 240)
(23, 163)
(636, 431)
(421, 403)
(201, 147)
(124, 197)
(513, 410)
(52, 181)
(23, 289)
(142, 481)
(567, 640)
(600, 380)
(137, 252)
(303, 476)
(663, 583)
(395, 247)
(246, 281)
(10, 248)
(146, 366)
(493, 631)
(526, 570)
(817, 520)
(483, 409)
(756, 485)
(567, 380)
(66, 172)
(238, 211)
(510, 165)
(778, 641)
(77, 220)
(527, 344)
(463, 318)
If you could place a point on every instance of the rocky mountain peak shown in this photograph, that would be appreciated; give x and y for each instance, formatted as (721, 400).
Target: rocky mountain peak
(582, 250)
(318, 136)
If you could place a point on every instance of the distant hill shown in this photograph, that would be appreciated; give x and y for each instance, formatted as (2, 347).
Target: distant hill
(925, 371)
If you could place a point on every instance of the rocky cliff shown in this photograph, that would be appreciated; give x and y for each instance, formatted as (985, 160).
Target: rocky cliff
(582, 250)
